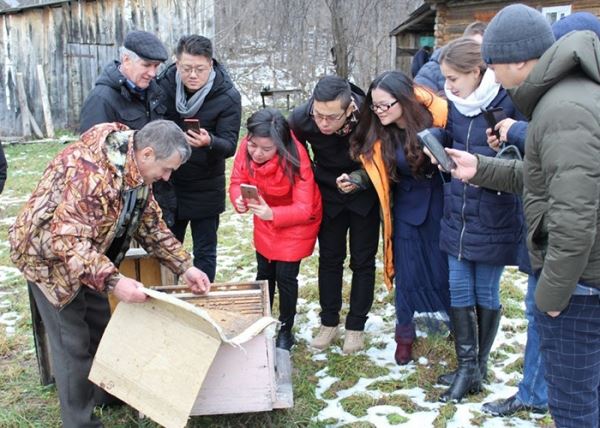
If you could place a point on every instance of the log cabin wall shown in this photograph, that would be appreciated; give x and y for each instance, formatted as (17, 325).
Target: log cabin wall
(452, 17)
(73, 41)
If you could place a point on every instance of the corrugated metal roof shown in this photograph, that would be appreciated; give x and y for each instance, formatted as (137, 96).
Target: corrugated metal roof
(14, 6)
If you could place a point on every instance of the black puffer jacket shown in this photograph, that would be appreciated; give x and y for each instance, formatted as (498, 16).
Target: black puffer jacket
(200, 182)
(112, 101)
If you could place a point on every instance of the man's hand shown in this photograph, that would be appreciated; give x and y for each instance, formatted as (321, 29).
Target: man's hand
(344, 184)
(129, 290)
(198, 139)
(553, 314)
(466, 164)
(261, 209)
(196, 280)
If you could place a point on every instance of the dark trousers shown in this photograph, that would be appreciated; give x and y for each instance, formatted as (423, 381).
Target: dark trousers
(284, 276)
(570, 344)
(364, 239)
(204, 241)
(74, 333)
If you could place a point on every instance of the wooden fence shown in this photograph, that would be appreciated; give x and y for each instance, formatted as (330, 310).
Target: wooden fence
(73, 41)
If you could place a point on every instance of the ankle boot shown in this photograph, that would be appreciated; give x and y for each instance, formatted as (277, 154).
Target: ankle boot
(488, 321)
(468, 377)
(405, 337)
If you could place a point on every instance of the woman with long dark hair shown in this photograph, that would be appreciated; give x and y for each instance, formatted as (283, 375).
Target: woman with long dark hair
(287, 213)
(387, 145)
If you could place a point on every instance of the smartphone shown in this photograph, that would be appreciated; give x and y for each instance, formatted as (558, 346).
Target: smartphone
(249, 192)
(191, 125)
(351, 180)
(436, 149)
(493, 116)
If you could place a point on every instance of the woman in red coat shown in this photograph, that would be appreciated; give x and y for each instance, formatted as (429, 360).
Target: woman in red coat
(288, 212)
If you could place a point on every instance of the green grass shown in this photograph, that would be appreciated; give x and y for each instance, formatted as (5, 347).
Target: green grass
(25, 403)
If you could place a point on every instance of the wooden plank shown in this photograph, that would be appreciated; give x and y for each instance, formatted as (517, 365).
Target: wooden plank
(239, 381)
(45, 102)
(26, 127)
(159, 378)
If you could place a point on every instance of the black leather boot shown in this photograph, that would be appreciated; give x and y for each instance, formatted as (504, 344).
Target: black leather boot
(488, 321)
(468, 378)
(285, 340)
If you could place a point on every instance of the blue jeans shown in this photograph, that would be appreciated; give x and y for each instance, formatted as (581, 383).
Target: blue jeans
(532, 388)
(474, 283)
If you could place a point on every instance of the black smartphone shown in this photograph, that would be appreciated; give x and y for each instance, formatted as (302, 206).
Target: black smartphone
(493, 116)
(249, 192)
(191, 125)
(437, 150)
(351, 180)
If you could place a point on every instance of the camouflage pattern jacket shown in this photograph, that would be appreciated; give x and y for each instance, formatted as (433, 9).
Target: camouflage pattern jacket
(60, 239)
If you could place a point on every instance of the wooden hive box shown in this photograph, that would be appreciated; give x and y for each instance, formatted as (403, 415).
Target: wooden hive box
(254, 378)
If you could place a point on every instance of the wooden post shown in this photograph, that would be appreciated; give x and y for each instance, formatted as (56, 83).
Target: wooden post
(45, 102)
(23, 105)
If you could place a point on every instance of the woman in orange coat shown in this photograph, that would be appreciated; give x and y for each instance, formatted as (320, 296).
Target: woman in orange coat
(288, 213)
(411, 195)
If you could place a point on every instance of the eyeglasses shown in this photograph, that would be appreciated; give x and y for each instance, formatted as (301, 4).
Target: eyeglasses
(382, 108)
(317, 117)
(188, 69)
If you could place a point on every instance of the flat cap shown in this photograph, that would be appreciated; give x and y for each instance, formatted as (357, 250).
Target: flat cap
(146, 45)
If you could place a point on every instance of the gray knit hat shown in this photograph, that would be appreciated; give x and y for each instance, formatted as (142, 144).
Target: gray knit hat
(517, 33)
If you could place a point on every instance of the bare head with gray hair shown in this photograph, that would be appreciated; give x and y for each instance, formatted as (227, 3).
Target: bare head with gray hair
(160, 148)
(165, 138)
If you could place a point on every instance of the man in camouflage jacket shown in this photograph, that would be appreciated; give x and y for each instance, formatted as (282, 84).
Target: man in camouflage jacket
(74, 231)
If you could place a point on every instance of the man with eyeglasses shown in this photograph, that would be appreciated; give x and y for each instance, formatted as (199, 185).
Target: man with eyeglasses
(326, 123)
(202, 100)
(126, 90)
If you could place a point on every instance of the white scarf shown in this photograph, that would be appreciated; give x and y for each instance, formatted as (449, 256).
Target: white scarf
(480, 98)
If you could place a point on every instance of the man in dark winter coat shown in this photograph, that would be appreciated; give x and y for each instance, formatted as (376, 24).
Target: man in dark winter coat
(420, 59)
(126, 91)
(326, 122)
(197, 87)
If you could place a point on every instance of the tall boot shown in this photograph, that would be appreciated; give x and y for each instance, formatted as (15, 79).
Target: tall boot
(468, 377)
(405, 337)
(488, 321)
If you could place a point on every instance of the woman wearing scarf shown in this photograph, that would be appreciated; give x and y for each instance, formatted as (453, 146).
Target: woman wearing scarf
(480, 228)
(410, 195)
(198, 87)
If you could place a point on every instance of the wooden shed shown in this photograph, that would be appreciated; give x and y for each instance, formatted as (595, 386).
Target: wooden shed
(73, 41)
(447, 19)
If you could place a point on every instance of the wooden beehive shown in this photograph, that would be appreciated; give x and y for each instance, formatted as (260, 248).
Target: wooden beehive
(253, 378)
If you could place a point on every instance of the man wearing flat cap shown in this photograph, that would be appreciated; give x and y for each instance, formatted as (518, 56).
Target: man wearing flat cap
(126, 91)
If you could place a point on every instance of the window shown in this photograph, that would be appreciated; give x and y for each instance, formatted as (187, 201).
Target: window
(555, 13)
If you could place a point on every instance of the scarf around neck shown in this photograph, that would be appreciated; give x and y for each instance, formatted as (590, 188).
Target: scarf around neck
(189, 108)
(480, 98)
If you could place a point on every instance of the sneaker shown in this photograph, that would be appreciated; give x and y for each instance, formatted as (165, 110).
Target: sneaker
(354, 341)
(325, 337)
(285, 340)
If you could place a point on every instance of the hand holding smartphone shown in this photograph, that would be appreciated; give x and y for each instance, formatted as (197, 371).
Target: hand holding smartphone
(191, 124)
(249, 193)
(437, 150)
(493, 116)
